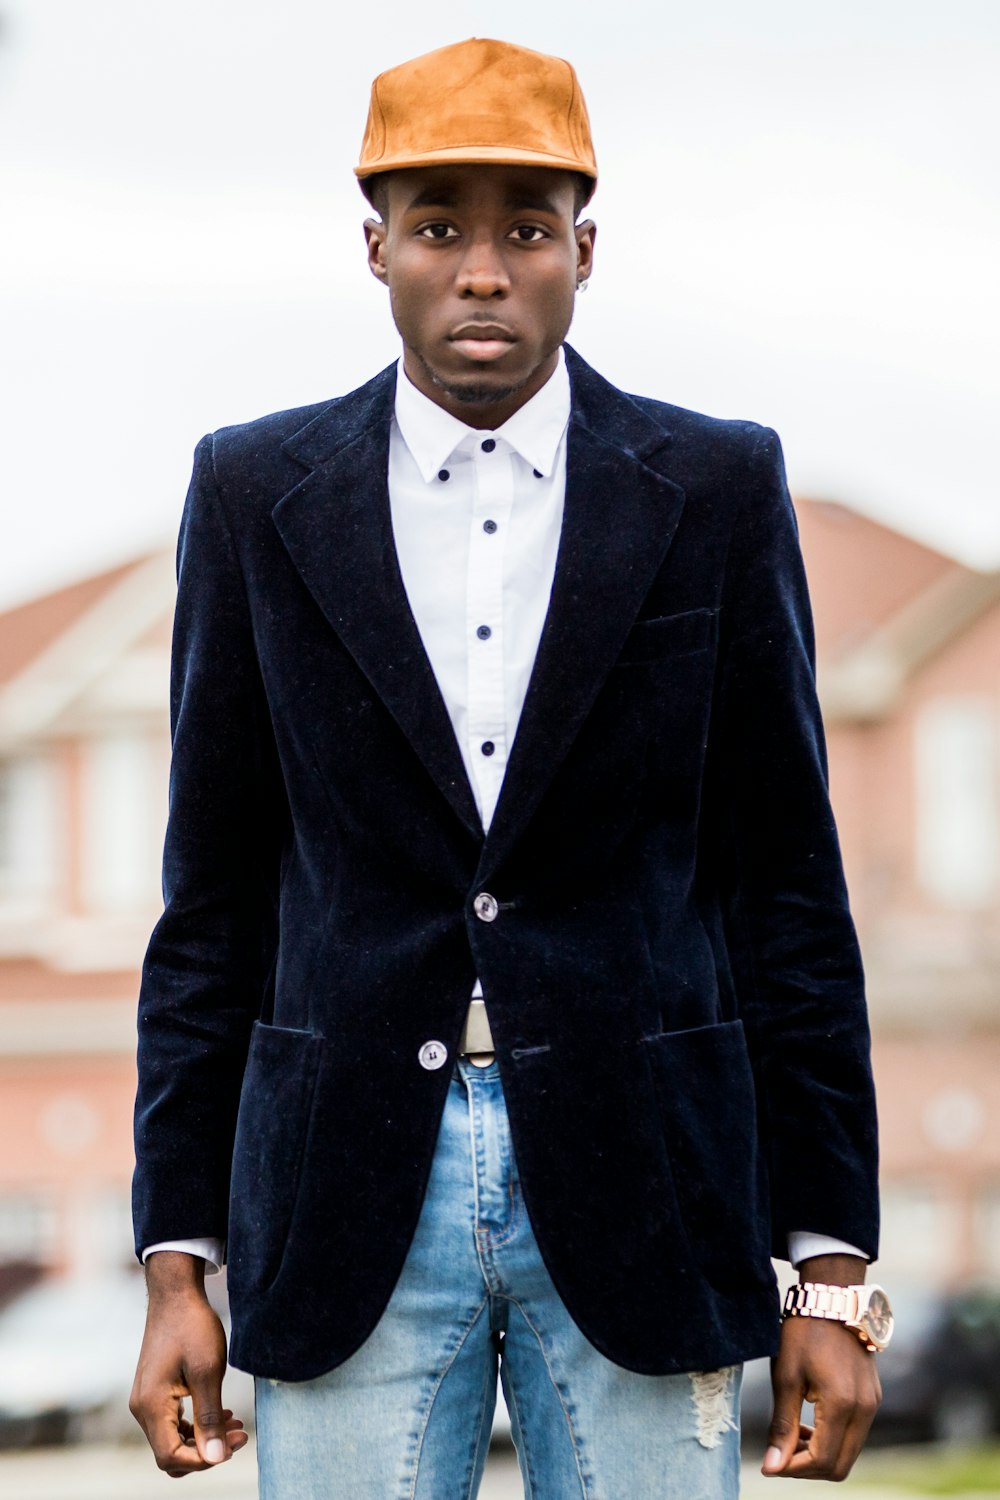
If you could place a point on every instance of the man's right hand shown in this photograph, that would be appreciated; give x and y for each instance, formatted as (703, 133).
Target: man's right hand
(183, 1354)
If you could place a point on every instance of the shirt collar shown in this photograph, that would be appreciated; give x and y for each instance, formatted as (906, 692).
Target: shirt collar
(534, 431)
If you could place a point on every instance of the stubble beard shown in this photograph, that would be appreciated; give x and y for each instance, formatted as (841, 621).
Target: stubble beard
(469, 393)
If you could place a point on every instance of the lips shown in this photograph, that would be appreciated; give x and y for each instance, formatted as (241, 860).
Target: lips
(482, 341)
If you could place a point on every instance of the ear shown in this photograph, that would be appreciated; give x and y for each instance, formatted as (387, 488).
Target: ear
(375, 240)
(586, 234)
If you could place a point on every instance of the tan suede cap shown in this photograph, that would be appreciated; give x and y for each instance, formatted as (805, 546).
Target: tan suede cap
(478, 101)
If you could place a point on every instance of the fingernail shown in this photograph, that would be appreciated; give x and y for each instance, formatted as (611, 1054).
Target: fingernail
(772, 1458)
(215, 1450)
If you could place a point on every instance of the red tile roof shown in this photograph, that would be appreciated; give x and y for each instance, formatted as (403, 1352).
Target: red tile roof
(860, 572)
(28, 629)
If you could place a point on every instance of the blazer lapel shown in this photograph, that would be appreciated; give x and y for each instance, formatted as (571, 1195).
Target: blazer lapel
(620, 516)
(619, 519)
(337, 528)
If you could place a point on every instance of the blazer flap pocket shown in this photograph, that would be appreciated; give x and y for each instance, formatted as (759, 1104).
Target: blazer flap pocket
(708, 1109)
(705, 1071)
(277, 1093)
(271, 1135)
(668, 635)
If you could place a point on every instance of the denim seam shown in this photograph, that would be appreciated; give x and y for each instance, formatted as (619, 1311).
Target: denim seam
(474, 1155)
(486, 1241)
(497, 1242)
(528, 1468)
(585, 1488)
(412, 1486)
(472, 1489)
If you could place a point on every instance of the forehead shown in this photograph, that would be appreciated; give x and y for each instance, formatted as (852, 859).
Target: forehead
(493, 185)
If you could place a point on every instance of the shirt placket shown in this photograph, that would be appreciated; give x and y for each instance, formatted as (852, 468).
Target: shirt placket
(492, 504)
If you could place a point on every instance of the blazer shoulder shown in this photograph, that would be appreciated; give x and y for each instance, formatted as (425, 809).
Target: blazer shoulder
(275, 448)
(699, 430)
(266, 434)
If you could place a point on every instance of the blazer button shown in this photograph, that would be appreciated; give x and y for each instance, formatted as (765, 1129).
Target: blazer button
(433, 1055)
(486, 907)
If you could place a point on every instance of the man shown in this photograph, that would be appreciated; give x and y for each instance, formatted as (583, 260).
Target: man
(507, 998)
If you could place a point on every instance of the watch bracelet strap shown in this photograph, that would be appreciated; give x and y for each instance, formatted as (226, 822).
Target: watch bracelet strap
(816, 1299)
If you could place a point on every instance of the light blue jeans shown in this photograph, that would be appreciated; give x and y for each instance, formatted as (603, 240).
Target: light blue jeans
(408, 1417)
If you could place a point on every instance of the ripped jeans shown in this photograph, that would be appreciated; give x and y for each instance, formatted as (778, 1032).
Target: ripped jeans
(408, 1417)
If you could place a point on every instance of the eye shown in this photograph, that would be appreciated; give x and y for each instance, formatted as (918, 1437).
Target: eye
(529, 234)
(437, 232)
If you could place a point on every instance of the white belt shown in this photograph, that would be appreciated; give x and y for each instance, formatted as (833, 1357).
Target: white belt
(476, 1042)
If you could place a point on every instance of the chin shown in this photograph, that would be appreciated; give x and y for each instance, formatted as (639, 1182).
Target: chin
(475, 388)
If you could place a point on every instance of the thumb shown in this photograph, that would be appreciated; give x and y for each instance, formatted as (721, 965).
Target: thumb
(205, 1386)
(784, 1431)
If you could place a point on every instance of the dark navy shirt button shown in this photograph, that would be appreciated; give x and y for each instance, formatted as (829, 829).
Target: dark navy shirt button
(488, 445)
(489, 527)
(487, 747)
(484, 632)
(537, 473)
(444, 474)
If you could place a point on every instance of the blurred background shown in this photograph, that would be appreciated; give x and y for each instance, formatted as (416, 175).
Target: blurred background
(799, 222)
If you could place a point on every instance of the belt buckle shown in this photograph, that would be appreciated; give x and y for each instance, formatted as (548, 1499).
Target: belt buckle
(476, 1042)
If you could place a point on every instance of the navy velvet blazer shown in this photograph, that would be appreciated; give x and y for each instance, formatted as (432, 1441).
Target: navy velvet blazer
(673, 979)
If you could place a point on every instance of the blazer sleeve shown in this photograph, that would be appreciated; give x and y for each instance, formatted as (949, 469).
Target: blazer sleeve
(210, 958)
(794, 951)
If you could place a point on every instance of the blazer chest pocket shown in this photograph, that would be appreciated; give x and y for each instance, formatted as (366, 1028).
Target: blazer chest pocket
(708, 1112)
(666, 636)
(271, 1134)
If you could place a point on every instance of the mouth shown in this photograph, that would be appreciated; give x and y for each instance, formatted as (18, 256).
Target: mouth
(482, 342)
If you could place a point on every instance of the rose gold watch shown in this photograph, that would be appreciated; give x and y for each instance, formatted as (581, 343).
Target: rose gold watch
(865, 1310)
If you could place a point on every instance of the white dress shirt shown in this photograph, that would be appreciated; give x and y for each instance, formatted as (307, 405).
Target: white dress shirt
(476, 520)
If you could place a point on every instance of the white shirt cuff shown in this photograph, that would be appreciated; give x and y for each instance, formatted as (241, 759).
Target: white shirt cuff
(212, 1251)
(802, 1245)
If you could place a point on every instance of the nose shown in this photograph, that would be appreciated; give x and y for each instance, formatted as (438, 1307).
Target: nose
(482, 272)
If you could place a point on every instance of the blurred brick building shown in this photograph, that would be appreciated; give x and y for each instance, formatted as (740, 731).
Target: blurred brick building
(909, 671)
(84, 754)
(908, 646)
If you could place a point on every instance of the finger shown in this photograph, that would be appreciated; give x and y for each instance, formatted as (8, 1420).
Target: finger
(844, 1418)
(856, 1433)
(785, 1431)
(207, 1411)
(175, 1453)
(831, 1437)
(805, 1437)
(817, 1460)
(236, 1437)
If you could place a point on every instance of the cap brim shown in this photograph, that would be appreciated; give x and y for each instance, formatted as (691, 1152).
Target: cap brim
(476, 156)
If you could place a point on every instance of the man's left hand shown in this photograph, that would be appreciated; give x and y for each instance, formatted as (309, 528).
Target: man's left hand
(827, 1364)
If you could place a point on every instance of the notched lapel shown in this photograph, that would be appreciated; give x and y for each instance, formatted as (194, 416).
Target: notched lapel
(337, 528)
(621, 513)
(620, 517)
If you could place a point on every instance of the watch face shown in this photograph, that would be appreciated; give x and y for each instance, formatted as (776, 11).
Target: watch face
(878, 1316)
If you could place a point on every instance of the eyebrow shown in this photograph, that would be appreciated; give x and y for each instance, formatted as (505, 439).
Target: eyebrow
(520, 201)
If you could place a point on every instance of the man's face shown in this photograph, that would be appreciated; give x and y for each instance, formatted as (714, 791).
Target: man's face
(482, 265)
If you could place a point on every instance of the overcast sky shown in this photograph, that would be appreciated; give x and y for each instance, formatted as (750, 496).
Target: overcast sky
(799, 222)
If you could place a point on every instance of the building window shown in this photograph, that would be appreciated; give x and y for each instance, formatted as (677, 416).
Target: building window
(987, 1231)
(122, 824)
(113, 1228)
(27, 1229)
(921, 1233)
(29, 829)
(956, 785)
